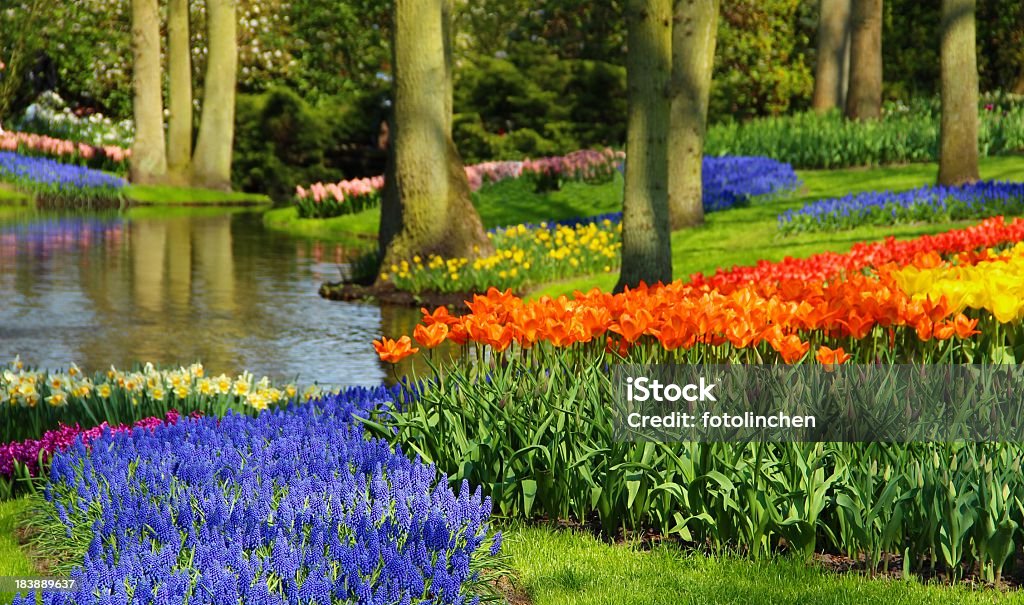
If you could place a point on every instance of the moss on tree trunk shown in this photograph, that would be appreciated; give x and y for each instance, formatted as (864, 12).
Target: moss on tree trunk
(211, 164)
(958, 140)
(179, 101)
(694, 30)
(832, 67)
(426, 207)
(864, 95)
(646, 246)
(149, 158)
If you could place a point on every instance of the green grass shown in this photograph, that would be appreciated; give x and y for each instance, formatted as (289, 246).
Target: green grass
(507, 203)
(8, 195)
(160, 195)
(566, 568)
(743, 236)
(13, 561)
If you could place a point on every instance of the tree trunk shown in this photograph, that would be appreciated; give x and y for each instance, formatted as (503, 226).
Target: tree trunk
(646, 243)
(426, 207)
(958, 146)
(149, 159)
(1018, 86)
(27, 43)
(694, 30)
(864, 95)
(211, 165)
(830, 72)
(179, 102)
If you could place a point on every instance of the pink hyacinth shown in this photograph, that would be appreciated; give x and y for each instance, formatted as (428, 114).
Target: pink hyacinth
(30, 451)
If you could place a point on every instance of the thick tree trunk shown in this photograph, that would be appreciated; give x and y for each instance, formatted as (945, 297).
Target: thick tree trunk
(864, 95)
(149, 159)
(646, 245)
(1018, 87)
(831, 71)
(426, 207)
(958, 146)
(179, 67)
(694, 30)
(211, 164)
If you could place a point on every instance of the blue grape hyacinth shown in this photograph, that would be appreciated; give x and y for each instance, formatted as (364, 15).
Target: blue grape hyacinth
(293, 506)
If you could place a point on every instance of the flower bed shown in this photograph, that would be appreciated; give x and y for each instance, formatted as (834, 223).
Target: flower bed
(924, 204)
(109, 157)
(293, 506)
(60, 185)
(32, 402)
(529, 254)
(905, 133)
(727, 181)
(523, 255)
(526, 410)
(31, 457)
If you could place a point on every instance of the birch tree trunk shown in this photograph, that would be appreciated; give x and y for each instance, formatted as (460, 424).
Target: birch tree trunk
(831, 70)
(211, 164)
(694, 33)
(149, 159)
(958, 140)
(646, 244)
(179, 102)
(864, 95)
(426, 206)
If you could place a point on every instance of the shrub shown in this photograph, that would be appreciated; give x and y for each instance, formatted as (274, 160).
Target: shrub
(279, 141)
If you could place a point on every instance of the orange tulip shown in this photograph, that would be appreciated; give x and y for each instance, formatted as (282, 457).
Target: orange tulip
(440, 315)
(964, 326)
(393, 351)
(633, 326)
(792, 349)
(944, 330)
(430, 336)
(831, 357)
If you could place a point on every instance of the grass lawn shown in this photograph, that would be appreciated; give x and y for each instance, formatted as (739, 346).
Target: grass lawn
(13, 561)
(160, 195)
(8, 195)
(506, 203)
(743, 236)
(566, 568)
(557, 567)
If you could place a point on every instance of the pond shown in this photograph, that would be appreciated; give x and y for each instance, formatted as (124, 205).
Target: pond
(174, 287)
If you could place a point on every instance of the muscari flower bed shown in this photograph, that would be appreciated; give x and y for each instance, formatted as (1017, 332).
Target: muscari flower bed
(292, 506)
(928, 204)
(54, 184)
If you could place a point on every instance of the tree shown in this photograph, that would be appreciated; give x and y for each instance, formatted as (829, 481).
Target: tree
(864, 94)
(211, 164)
(646, 243)
(149, 159)
(179, 97)
(958, 146)
(694, 30)
(19, 50)
(831, 71)
(426, 207)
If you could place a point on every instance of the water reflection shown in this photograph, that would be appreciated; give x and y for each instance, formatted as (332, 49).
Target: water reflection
(108, 289)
